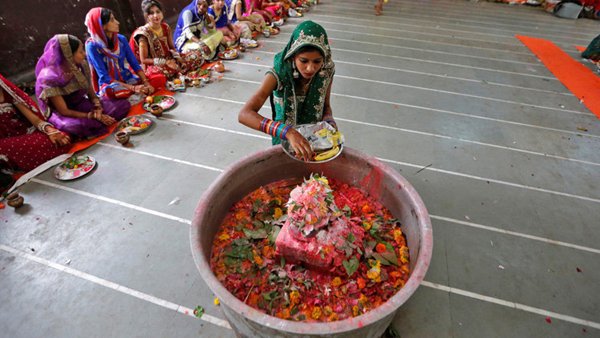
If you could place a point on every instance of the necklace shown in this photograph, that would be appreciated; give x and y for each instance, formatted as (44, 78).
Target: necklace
(159, 32)
(303, 88)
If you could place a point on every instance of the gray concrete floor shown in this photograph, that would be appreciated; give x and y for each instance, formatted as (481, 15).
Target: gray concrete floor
(513, 186)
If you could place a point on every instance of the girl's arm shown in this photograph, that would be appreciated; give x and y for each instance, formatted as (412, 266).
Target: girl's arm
(327, 112)
(250, 117)
(57, 138)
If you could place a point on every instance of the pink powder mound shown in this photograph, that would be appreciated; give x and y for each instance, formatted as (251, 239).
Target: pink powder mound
(315, 228)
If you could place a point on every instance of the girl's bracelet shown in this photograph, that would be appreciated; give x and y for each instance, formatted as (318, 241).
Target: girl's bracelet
(42, 127)
(273, 128)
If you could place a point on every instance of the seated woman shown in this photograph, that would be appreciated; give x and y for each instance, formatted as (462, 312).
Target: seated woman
(26, 139)
(238, 11)
(106, 53)
(153, 46)
(232, 32)
(300, 81)
(255, 7)
(65, 94)
(189, 33)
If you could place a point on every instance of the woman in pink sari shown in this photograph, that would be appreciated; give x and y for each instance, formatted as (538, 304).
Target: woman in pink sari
(65, 93)
(153, 46)
(27, 140)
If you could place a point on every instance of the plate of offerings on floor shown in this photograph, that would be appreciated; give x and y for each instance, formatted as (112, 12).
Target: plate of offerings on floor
(311, 250)
(166, 102)
(229, 54)
(74, 167)
(135, 124)
(325, 142)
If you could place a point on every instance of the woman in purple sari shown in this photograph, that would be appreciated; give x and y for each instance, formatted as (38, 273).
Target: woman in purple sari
(65, 94)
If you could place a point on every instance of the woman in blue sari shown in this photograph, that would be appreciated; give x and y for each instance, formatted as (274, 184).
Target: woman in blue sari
(189, 34)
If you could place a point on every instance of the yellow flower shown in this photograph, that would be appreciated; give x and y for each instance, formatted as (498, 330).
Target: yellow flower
(366, 226)
(224, 237)
(375, 272)
(278, 213)
(144, 125)
(327, 311)
(336, 282)
(316, 312)
(294, 298)
(75, 167)
(355, 310)
(217, 303)
(324, 180)
(397, 234)
(257, 259)
(333, 317)
(363, 299)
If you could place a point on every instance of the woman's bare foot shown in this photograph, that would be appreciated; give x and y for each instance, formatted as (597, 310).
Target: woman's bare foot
(377, 10)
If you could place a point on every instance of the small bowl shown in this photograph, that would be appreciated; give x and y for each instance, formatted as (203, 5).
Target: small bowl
(205, 79)
(242, 48)
(15, 200)
(122, 137)
(156, 110)
(266, 33)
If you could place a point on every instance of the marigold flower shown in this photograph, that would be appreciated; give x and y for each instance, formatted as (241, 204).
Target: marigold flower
(366, 209)
(380, 247)
(316, 312)
(278, 213)
(327, 311)
(294, 298)
(366, 226)
(361, 283)
(363, 299)
(257, 259)
(224, 237)
(397, 233)
(285, 314)
(336, 282)
(355, 310)
(375, 272)
(333, 317)
(217, 302)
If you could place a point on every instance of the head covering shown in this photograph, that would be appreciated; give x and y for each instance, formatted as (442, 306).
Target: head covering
(93, 22)
(178, 36)
(57, 73)
(19, 96)
(307, 33)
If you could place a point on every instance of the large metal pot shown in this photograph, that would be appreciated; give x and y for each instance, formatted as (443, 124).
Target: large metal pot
(353, 167)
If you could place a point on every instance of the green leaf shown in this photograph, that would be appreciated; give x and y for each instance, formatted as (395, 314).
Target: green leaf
(274, 233)
(348, 251)
(351, 237)
(258, 224)
(347, 210)
(282, 261)
(380, 258)
(199, 311)
(391, 257)
(255, 234)
(294, 310)
(257, 204)
(351, 266)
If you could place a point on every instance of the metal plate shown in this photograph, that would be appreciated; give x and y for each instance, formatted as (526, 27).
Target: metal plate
(63, 173)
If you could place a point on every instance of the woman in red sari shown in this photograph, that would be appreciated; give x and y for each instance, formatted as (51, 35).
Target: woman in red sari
(153, 46)
(27, 140)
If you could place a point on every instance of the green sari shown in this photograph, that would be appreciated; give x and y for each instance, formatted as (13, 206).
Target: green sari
(289, 108)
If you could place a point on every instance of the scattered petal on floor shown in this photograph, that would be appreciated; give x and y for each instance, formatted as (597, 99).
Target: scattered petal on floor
(578, 270)
(467, 217)
(175, 201)
(548, 320)
(500, 267)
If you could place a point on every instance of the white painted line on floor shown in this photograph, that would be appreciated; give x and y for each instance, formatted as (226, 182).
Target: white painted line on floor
(561, 110)
(223, 323)
(443, 76)
(479, 178)
(160, 157)
(512, 305)
(471, 142)
(470, 67)
(117, 287)
(517, 234)
(261, 136)
(113, 201)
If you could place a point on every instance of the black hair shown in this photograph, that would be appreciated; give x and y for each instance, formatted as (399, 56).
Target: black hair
(147, 4)
(105, 16)
(105, 19)
(74, 43)
(308, 49)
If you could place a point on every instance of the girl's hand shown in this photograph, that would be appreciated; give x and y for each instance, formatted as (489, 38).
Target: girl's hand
(149, 89)
(106, 120)
(299, 144)
(57, 138)
(173, 65)
(205, 49)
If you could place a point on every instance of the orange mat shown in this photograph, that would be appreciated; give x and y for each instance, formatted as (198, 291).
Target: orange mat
(579, 79)
(135, 110)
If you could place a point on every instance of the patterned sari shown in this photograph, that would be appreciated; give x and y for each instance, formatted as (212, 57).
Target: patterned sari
(249, 19)
(289, 108)
(22, 146)
(158, 48)
(190, 24)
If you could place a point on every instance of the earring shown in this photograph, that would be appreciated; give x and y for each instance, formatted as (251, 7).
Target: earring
(321, 72)
(295, 74)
